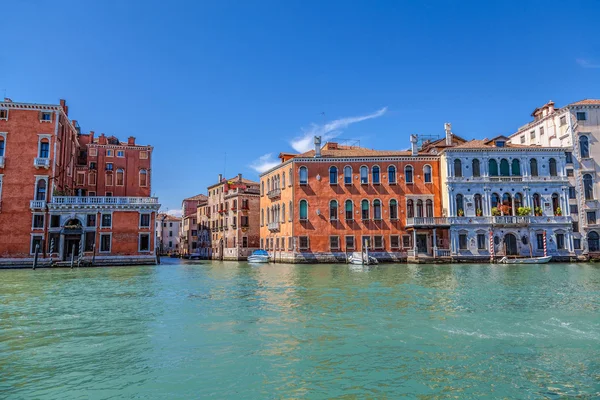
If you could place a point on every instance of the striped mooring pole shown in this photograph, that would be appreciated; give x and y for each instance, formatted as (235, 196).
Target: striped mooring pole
(80, 258)
(545, 247)
(492, 250)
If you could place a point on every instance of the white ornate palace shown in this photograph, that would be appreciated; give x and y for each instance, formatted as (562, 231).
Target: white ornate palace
(507, 194)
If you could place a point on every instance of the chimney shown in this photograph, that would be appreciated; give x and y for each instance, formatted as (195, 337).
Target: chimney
(220, 178)
(240, 177)
(448, 129)
(413, 145)
(317, 146)
(91, 136)
(550, 107)
(102, 139)
(131, 141)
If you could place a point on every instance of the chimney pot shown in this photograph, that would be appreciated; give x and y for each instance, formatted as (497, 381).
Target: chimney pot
(131, 141)
(239, 177)
(448, 129)
(317, 146)
(220, 177)
(413, 145)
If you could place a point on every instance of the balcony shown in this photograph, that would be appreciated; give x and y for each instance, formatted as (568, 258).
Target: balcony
(428, 222)
(40, 162)
(37, 204)
(98, 201)
(1, 161)
(273, 226)
(511, 221)
(274, 194)
(471, 220)
(508, 179)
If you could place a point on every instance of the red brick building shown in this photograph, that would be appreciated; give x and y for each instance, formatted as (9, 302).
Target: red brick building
(334, 200)
(62, 192)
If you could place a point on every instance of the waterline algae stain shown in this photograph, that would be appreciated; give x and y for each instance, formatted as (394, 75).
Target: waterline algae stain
(230, 330)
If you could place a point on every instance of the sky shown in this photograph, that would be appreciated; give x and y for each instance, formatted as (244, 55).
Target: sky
(222, 87)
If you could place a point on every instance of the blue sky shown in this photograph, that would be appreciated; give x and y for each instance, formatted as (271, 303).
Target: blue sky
(206, 82)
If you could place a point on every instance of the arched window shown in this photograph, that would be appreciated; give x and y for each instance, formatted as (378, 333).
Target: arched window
(537, 202)
(2, 146)
(593, 240)
(518, 201)
(516, 167)
(303, 210)
(40, 191)
(283, 180)
(268, 215)
(427, 173)
(476, 168)
(584, 147)
(588, 187)
(120, 177)
(303, 175)
(44, 148)
(460, 206)
(143, 177)
(393, 209)
(290, 176)
(428, 208)
(552, 167)
(291, 211)
(457, 168)
(408, 174)
(364, 206)
(495, 199)
(333, 210)
(375, 173)
(419, 208)
(504, 168)
(283, 208)
(493, 167)
(348, 175)
(268, 185)
(392, 174)
(555, 202)
(507, 204)
(262, 217)
(376, 209)
(333, 175)
(262, 188)
(364, 175)
(533, 166)
(478, 205)
(410, 209)
(349, 210)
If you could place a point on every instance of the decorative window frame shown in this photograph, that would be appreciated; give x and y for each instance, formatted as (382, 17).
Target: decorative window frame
(109, 243)
(338, 243)
(399, 242)
(431, 173)
(3, 135)
(33, 215)
(413, 174)
(140, 220)
(31, 250)
(110, 153)
(337, 174)
(93, 152)
(143, 154)
(37, 179)
(140, 234)
(395, 182)
(380, 174)
(5, 118)
(122, 171)
(46, 120)
(368, 174)
(353, 242)
(299, 179)
(121, 152)
(102, 214)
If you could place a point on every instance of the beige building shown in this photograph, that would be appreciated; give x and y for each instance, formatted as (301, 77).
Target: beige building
(167, 233)
(189, 224)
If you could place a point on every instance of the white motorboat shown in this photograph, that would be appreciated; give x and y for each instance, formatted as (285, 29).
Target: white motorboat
(532, 260)
(259, 256)
(362, 259)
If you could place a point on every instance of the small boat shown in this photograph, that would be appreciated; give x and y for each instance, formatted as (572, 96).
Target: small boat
(532, 260)
(259, 256)
(362, 259)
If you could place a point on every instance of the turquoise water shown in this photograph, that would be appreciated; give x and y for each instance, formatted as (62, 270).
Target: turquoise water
(228, 330)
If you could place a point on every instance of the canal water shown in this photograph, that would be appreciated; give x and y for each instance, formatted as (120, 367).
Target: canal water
(187, 330)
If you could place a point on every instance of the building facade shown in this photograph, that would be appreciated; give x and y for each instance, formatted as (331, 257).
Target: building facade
(168, 228)
(189, 224)
(45, 193)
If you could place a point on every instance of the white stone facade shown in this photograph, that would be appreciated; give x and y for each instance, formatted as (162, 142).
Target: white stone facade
(167, 233)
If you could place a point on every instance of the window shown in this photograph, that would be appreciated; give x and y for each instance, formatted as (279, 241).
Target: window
(457, 168)
(105, 240)
(406, 241)
(143, 178)
(55, 221)
(46, 116)
(581, 116)
(244, 241)
(106, 220)
(91, 193)
(2, 146)
(532, 134)
(120, 153)
(540, 241)
(394, 241)
(575, 226)
(588, 187)
(145, 242)
(591, 217)
(40, 191)
(81, 178)
(303, 175)
(303, 242)
(262, 218)
(522, 139)
(377, 209)
(593, 241)
(366, 242)
(36, 242)
(552, 167)
(560, 241)
(533, 166)
(427, 173)
(516, 167)
(570, 172)
(93, 152)
(291, 211)
(109, 166)
(375, 173)
(584, 147)
(563, 120)
(504, 169)
(262, 243)
(568, 157)
(303, 210)
(495, 200)
(143, 155)
(408, 174)
(92, 179)
(44, 148)
(349, 243)
(481, 241)
(144, 220)
(541, 131)
(120, 177)
(333, 210)
(392, 175)
(38, 221)
(460, 208)
(91, 221)
(364, 175)
(462, 241)
(577, 244)
(333, 175)
(429, 208)
(573, 209)
(334, 242)
(410, 208)
(378, 242)
(419, 208)
(4, 114)
(349, 210)
(478, 205)
(262, 188)
(348, 175)
(364, 206)
(393, 209)
(109, 153)
(476, 168)
(493, 167)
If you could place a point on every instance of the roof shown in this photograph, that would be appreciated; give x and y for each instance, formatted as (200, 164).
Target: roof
(585, 102)
(167, 217)
(236, 180)
(353, 151)
(197, 197)
(486, 144)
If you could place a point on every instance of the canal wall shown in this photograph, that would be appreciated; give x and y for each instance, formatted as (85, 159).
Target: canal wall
(16, 263)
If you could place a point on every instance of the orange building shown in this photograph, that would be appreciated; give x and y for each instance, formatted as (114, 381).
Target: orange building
(48, 187)
(334, 200)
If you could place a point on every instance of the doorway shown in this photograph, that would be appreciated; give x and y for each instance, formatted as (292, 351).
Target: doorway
(422, 243)
(72, 244)
(510, 243)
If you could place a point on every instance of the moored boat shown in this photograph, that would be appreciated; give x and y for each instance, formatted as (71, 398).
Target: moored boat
(259, 256)
(362, 259)
(532, 260)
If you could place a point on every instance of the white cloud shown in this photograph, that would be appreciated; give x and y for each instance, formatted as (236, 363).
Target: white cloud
(264, 163)
(586, 63)
(175, 213)
(329, 130)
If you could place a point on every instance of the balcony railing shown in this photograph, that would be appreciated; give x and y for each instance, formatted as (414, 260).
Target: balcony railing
(443, 253)
(97, 200)
(37, 204)
(507, 178)
(510, 220)
(273, 226)
(427, 221)
(275, 193)
(39, 162)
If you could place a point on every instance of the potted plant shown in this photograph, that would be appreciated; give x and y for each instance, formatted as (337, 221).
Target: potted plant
(558, 212)
(538, 211)
(523, 211)
(496, 212)
(461, 213)
(478, 212)
(505, 209)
